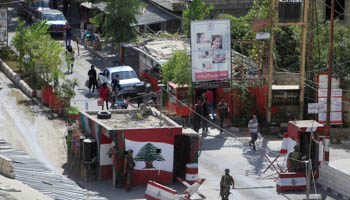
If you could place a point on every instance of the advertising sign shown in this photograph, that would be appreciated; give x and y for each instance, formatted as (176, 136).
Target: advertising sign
(3, 25)
(323, 81)
(211, 50)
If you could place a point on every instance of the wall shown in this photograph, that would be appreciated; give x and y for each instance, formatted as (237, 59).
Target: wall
(334, 180)
(6, 167)
(93, 129)
(285, 78)
(233, 7)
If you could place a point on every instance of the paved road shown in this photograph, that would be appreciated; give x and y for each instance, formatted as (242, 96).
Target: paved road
(218, 152)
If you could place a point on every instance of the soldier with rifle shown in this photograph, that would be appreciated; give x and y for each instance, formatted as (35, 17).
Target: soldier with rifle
(225, 184)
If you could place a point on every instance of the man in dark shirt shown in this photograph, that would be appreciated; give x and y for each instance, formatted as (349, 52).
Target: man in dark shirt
(116, 87)
(68, 33)
(92, 78)
(198, 112)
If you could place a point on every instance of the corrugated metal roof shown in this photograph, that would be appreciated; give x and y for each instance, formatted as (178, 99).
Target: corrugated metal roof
(152, 15)
(35, 174)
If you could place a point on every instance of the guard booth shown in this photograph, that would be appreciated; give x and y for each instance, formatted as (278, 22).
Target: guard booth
(308, 135)
(178, 93)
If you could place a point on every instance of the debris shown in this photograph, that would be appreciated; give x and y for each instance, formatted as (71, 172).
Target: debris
(8, 189)
(46, 182)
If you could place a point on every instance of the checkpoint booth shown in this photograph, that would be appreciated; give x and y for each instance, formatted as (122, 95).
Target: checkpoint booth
(179, 93)
(308, 136)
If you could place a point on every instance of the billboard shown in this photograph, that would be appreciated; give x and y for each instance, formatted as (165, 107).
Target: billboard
(211, 50)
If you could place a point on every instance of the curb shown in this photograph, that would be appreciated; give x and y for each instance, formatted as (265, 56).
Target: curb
(14, 77)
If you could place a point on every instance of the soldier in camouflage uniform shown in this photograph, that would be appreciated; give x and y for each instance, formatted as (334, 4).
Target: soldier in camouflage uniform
(129, 165)
(225, 183)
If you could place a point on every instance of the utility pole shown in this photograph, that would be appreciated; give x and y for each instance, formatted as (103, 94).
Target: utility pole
(329, 85)
(269, 76)
(302, 64)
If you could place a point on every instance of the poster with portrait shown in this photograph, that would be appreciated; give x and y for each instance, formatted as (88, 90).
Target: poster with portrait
(211, 50)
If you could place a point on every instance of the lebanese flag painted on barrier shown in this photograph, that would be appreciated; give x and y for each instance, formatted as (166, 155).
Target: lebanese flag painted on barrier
(153, 154)
(291, 181)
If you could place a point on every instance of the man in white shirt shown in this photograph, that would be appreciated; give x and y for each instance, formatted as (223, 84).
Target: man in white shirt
(253, 126)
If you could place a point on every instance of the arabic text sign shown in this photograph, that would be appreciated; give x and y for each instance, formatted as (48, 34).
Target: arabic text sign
(211, 50)
(260, 24)
(323, 81)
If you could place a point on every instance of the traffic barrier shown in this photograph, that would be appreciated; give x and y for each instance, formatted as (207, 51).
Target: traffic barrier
(156, 191)
(291, 181)
(191, 175)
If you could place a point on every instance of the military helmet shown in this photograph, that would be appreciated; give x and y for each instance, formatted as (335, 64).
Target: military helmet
(227, 170)
(130, 151)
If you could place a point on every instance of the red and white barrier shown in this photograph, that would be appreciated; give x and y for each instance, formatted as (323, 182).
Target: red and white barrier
(191, 175)
(291, 181)
(287, 145)
(156, 191)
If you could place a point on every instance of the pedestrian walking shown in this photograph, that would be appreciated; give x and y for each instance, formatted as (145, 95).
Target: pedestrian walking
(104, 94)
(253, 126)
(70, 58)
(197, 114)
(92, 79)
(129, 165)
(210, 101)
(225, 184)
(205, 114)
(115, 88)
(223, 112)
(67, 35)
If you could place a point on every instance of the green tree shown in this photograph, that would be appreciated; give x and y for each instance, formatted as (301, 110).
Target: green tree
(39, 54)
(177, 69)
(197, 10)
(148, 153)
(118, 20)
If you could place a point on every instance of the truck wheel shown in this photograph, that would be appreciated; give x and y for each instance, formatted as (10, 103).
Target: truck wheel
(104, 115)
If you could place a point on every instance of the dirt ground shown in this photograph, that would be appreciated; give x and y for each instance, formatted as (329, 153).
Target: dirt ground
(26, 126)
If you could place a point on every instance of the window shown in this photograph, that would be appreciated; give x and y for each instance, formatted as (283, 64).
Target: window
(339, 6)
(53, 17)
(124, 75)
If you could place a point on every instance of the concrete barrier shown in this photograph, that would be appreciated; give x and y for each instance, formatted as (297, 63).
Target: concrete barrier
(6, 167)
(334, 181)
(15, 78)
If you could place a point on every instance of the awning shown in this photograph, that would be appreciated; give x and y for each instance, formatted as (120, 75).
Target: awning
(285, 87)
(101, 6)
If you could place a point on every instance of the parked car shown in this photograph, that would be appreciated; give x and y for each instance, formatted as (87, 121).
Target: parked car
(128, 79)
(31, 9)
(55, 19)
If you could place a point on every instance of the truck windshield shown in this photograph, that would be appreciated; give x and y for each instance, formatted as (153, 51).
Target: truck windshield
(123, 75)
(53, 17)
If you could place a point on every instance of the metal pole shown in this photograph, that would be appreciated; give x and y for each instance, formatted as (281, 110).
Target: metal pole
(269, 79)
(329, 86)
(302, 64)
(308, 178)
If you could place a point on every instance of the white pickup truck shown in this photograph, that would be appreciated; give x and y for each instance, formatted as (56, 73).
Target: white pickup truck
(128, 79)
